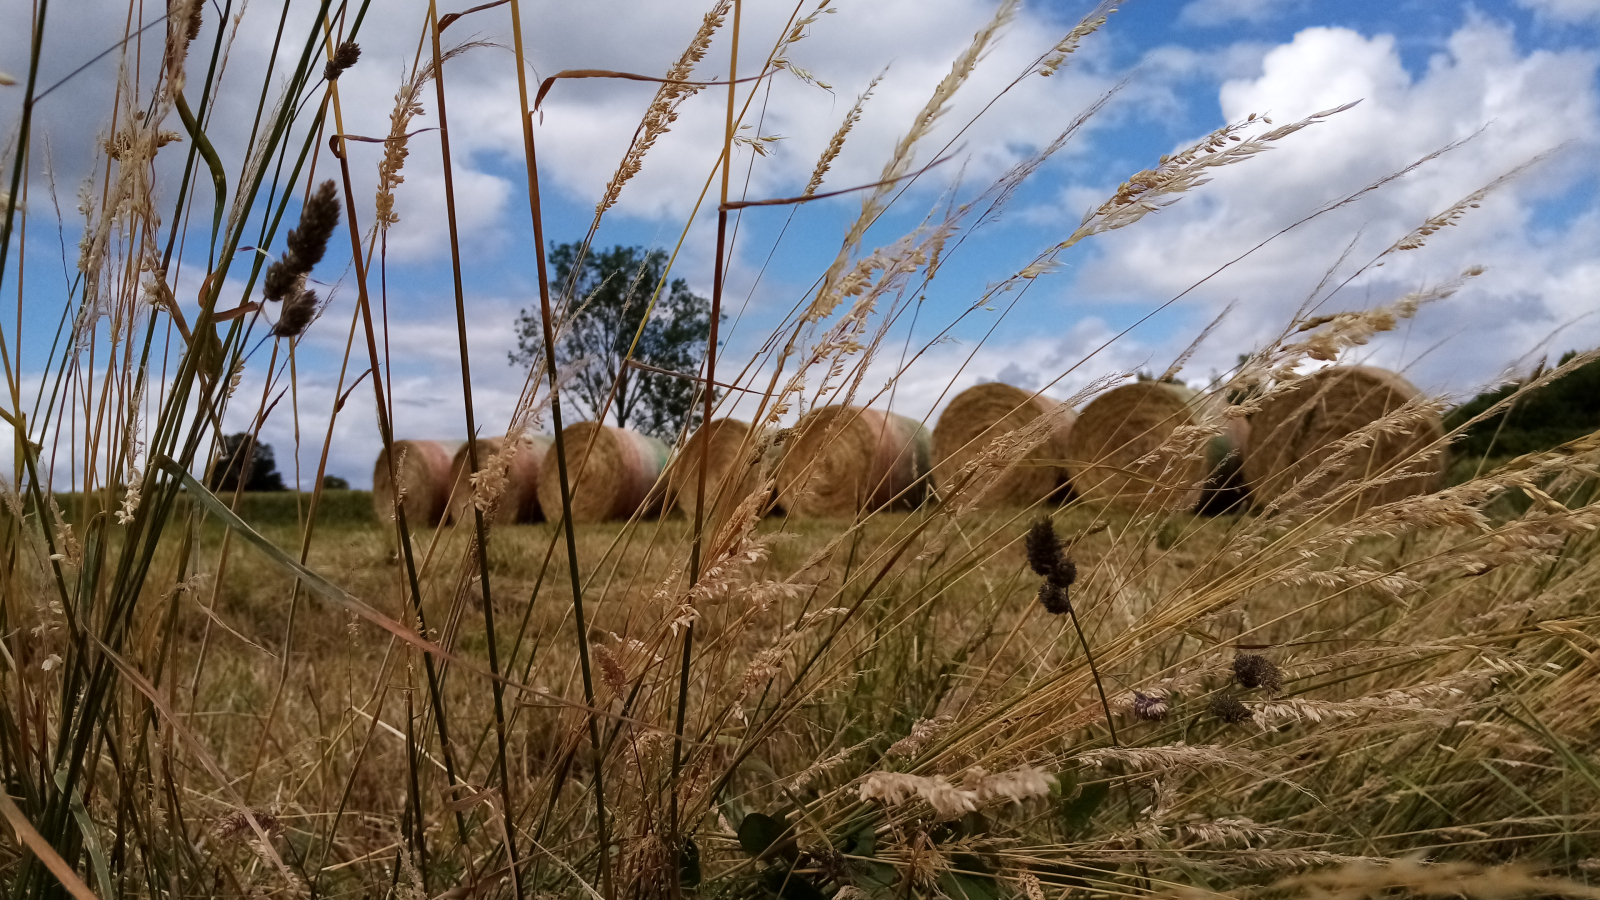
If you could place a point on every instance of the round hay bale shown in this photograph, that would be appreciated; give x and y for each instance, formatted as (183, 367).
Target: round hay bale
(617, 479)
(422, 471)
(520, 500)
(732, 468)
(841, 460)
(1298, 424)
(976, 418)
(1112, 451)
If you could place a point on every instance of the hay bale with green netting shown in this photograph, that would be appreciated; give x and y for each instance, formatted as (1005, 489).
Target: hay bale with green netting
(1123, 449)
(613, 473)
(1300, 425)
(519, 502)
(981, 415)
(420, 476)
(733, 469)
(841, 460)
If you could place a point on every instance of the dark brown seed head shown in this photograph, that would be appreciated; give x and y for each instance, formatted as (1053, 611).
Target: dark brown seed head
(296, 315)
(1054, 599)
(343, 58)
(305, 245)
(318, 218)
(1065, 573)
(281, 280)
(1229, 709)
(1044, 548)
(1148, 708)
(1252, 670)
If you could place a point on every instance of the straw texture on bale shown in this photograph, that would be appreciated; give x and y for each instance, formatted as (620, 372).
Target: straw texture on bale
(1299, 425)
(733, 470)
(841, 460)
(975, 419)
(519, 502)
(422, 470)
(1113, 449)
(613, 479)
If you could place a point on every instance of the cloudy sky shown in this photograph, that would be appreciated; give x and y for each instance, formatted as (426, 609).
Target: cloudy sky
(1517, 78)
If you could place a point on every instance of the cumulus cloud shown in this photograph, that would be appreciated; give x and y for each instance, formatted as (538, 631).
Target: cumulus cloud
(1564, 10)
(1542, 274)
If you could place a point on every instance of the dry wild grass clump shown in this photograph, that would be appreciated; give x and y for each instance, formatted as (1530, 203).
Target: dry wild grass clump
(1356, 690)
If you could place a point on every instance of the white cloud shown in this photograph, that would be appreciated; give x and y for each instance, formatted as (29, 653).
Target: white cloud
(1210, 13)
(1538, 279)
(1564, 10)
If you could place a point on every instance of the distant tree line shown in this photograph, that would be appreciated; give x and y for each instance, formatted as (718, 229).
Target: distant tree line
(1560, 411)
(242, 458)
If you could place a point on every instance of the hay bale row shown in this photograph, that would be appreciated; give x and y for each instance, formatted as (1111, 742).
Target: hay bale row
(838, 461)
(1116, 451)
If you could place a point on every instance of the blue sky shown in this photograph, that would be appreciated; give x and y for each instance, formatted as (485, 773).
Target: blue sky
(1520, 76)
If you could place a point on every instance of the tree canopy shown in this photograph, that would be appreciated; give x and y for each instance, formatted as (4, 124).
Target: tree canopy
(1560, 411)
(241, 456)
(609, 293)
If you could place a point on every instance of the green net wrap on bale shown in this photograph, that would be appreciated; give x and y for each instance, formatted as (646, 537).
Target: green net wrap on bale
(841, 460)
(733, 467)
(977, 418)
(1299, 426)
(519, 500)
(422, 474)
(1152, 445)
(613, 471)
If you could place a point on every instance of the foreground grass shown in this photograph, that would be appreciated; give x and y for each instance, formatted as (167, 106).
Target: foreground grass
(1447, 722)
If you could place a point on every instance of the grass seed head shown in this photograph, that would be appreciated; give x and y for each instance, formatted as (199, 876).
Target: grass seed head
(297, 315)
(343, 58)
(1044, 548)
(1149, 708)
(1054, 599)
(306, 244)
(1229, 709)
(1252, 670)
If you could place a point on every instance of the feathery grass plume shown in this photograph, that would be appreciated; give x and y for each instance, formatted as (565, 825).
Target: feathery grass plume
(184, 18)
(923, 733)
(1148, 191)
(1229, 709)
(305, 244)
(407, 106)
(663, 109)
(833, 290)
(343, 58)
(836, 144)
(1149, 707)
(1068, 45)
(1252, 670)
